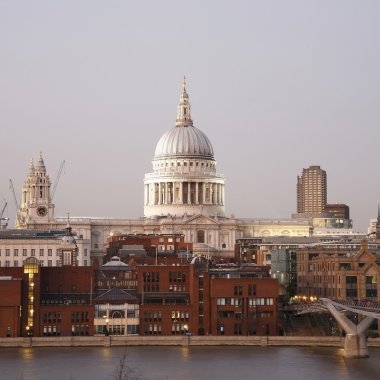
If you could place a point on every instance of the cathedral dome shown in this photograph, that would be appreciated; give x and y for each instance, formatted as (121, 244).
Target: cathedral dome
(183, 141)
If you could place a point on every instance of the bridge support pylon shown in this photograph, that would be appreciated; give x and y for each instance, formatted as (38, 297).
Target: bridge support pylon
(355, 345)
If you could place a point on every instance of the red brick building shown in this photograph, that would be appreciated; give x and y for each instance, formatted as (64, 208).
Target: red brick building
(46, 301)
(199, 300)
(156, 246)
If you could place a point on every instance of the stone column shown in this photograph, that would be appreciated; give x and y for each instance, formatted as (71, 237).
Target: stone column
(189, 192)
(159, 193)
(196, 193)
(175, 198)
(181, 193)
(204, 193)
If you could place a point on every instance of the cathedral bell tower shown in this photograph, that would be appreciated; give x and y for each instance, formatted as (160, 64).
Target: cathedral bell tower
(36, 205)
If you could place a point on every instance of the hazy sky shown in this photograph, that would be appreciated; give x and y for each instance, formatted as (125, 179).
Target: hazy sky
(275, 85)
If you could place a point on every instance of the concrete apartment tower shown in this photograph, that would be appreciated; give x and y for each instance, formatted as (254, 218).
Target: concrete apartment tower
(312, 191)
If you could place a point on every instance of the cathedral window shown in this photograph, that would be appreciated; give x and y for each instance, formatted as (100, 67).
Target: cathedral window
(201, 236)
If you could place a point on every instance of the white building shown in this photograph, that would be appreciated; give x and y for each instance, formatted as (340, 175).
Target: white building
(48, 247)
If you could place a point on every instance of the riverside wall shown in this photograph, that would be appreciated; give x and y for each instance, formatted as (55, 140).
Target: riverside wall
(135, 340)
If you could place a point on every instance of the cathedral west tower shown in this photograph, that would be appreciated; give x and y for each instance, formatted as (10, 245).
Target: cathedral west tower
(184, 180)
(36, 204)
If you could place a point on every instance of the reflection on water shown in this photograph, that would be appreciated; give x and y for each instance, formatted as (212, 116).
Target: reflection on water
(160, 363)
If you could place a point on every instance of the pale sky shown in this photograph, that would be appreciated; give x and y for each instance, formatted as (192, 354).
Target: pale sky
(276, 86)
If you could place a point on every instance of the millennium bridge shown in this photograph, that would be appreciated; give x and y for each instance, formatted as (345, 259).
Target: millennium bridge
(355, 344)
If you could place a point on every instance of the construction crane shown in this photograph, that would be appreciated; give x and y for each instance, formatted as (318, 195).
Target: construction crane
(1, 217)
(57, 178)
(14, 194)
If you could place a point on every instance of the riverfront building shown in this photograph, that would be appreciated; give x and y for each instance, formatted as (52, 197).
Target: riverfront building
(198, 298)
(339, 273)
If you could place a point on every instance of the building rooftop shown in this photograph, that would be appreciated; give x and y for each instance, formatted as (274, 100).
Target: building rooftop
(31, 234)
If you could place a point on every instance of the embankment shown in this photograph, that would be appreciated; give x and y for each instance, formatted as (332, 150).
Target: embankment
(135, 340)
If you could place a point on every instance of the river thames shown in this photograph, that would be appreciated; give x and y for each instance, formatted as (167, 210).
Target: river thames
(187, 363)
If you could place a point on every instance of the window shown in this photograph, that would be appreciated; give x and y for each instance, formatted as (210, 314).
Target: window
(66, 257)
(85, 251)
(238, 290)
(251, 289)
(351, 286)
(201, 236)
(15, 263)
(15, 252)
(371, 286)
(24, 252)
(7, 252)
(50, 252)
(41, 252)
(85, 263)
(33, 252)
(7, 263)
(50, 263)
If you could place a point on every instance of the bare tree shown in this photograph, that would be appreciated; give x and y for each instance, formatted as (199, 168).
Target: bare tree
(124, 371)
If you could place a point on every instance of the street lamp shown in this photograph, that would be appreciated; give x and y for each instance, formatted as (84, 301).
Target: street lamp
(107, 322)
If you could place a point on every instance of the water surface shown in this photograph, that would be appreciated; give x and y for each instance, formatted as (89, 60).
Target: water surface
(203, 363)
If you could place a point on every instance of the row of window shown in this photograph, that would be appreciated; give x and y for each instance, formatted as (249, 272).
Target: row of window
(251, 301)
(180, 316)
(179, 328)
(81, 316)
(52, 317)
(177, 277)
(152, 329)
(152, 316)
(19, 263)
(33, 252)
(191, 163)
(177, 288)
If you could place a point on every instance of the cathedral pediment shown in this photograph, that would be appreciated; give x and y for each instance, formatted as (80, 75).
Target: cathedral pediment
(200, 219)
